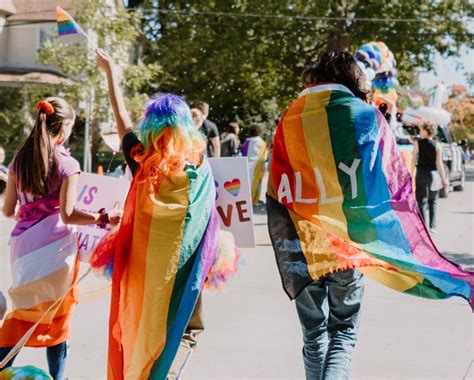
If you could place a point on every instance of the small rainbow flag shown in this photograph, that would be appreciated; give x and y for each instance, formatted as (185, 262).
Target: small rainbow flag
(67, 25)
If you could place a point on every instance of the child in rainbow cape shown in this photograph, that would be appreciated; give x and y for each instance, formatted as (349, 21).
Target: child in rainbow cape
(43, 246)
(340, 197)
(255, 149)
(167, 243)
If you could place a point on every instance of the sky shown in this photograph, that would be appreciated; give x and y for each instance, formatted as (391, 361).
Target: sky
(446, 70)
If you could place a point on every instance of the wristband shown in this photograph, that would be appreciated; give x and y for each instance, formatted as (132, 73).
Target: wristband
(104, 218)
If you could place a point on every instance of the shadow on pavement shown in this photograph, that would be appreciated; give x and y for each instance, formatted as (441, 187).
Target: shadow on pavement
(465, 260)
(470, 173)
(260, 209)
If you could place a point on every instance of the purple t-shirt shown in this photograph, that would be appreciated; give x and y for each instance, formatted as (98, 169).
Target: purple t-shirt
(67, 167)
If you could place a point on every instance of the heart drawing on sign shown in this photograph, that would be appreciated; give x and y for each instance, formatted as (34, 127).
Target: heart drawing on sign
(233, 187)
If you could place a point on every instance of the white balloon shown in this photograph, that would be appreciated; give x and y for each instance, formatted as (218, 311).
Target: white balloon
(370, 73)
(416, 116)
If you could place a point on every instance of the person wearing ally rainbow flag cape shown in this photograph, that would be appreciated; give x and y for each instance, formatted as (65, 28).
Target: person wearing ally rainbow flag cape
(166, 243)
(43, 245)
(340, 198)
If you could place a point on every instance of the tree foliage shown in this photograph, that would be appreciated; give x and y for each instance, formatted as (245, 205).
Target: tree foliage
(245, 57)
(17, 110)
(116, 32)
(461, 106)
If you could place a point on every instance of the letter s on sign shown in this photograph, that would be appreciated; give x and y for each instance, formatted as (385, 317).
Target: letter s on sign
(241, 211)
(89, 198)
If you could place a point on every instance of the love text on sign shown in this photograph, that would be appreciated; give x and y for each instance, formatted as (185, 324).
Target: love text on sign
(233, 203)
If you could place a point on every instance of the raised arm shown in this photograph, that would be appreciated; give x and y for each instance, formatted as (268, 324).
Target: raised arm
(414, 157)
(124, 123)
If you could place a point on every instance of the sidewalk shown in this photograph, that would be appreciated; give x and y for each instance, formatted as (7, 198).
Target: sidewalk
(252, 331)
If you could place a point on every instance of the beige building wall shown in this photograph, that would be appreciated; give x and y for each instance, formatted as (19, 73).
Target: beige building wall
(3, 40)
(23, 42)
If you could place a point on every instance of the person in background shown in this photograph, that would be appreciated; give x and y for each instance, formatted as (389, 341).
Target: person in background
(466, 151)
(429, 166)
(198, 118)
(255, 149)
(270, 142)
(44, 256)
(3, 172)
(230, 142)
(209, 129)
(3, 168)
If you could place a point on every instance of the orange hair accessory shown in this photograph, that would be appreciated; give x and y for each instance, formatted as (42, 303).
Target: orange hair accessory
(45, 106)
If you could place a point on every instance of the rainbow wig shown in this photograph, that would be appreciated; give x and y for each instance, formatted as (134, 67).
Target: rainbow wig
(170, 139)
(28, 372)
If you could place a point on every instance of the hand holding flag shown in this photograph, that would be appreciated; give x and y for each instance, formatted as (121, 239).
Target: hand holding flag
(68, 27)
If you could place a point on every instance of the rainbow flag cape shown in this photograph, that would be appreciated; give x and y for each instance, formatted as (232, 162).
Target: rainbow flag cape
(340, 197)
(163, 252)
(44, 265)
(255, 149)
(67, 25)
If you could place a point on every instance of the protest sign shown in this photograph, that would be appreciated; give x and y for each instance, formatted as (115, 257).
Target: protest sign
(234, 202)
(93, 193)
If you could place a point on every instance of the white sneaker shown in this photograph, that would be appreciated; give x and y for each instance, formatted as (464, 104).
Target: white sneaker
(433, 231)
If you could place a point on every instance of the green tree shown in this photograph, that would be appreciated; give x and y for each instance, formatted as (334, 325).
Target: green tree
(245, 57)
(116, 32)
(17, 110)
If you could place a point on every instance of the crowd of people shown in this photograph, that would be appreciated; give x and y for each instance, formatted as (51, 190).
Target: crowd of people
(228, 144)
(330, 218)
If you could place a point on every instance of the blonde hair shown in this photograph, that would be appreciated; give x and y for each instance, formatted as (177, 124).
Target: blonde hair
(430, 128)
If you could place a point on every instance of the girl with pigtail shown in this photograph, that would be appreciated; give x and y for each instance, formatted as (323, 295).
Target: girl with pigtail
(43, 246)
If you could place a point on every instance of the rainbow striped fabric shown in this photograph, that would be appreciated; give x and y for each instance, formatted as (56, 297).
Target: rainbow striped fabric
(66, 24)
(340, 197)
(255, 149)
(44, 265)
(165, 248)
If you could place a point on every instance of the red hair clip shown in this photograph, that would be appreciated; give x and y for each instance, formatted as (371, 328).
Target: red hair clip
(45, 106)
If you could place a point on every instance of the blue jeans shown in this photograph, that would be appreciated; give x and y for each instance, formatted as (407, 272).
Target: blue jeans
(425, 197)
(56, 356)
(329, 313)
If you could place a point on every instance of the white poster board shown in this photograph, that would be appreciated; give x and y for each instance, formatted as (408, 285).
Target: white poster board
(234, 202)
(93, 193)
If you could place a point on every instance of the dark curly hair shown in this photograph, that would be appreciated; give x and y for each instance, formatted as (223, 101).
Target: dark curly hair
(338, 66)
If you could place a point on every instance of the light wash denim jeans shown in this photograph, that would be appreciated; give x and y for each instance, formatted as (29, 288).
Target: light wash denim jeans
(329, 313)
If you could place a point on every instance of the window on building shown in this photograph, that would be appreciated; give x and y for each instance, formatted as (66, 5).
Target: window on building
(46, 34)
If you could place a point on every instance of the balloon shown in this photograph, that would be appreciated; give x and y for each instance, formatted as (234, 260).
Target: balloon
(378, 64)
(415, 101)
(416, 116)
(370, 73)
(389, 97)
